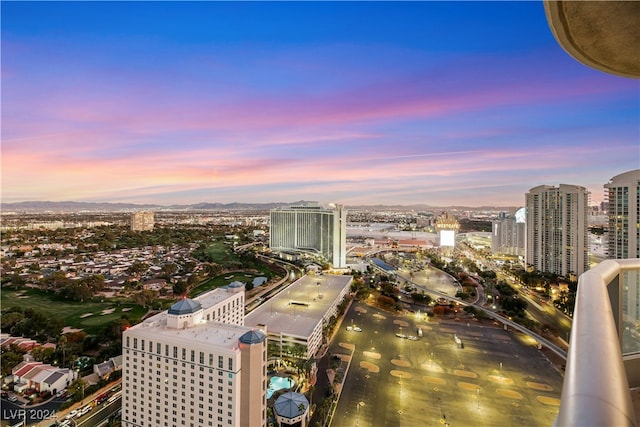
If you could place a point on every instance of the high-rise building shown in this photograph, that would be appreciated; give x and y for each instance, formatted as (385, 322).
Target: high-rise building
(142, 221)
(311, 228)
(557, 229)
(508, 234)
(195, 365)
(622, 194)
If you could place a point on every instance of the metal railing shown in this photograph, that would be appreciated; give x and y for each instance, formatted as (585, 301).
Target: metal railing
(597, 379)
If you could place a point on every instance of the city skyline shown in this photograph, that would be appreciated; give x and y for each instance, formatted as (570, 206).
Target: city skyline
(437, 103)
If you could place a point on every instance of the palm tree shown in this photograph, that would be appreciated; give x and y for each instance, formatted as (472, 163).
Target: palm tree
(311, 389)
(301, 408)
(62, 341)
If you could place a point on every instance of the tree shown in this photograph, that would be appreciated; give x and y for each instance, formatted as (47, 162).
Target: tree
(145, 297)
(311, 390)
(56, 280)
(77, 389)
(10, 358)
(77, 291)
(517, 306)
(137, 268)
(62, 341)
(180, 288)
(11, 318)
(43, 354)
(168, 270)
(94, 282)
(386, 301)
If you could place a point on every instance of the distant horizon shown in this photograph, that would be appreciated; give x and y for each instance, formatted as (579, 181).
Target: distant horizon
(435, 103)
(280, 203)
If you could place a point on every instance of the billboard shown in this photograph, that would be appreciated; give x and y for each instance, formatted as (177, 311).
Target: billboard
(447, 238)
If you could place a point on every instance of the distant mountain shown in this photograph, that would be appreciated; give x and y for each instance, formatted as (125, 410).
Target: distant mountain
(69, 207)
(37, 206)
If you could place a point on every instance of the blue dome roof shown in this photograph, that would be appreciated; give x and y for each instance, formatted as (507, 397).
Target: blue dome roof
(236, 284)
(288, 404)
(185, 306)
(253, 337)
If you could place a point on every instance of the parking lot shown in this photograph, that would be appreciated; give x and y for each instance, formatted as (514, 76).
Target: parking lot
(458, 373)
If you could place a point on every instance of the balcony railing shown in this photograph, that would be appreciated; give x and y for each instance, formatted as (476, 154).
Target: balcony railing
(598, 376)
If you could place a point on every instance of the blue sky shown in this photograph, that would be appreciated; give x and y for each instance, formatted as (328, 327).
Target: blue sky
(439, 103)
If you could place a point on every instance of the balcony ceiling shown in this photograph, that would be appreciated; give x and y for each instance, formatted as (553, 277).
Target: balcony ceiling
(604, 35)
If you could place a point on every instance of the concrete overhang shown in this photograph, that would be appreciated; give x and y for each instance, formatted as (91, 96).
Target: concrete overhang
(604, 35)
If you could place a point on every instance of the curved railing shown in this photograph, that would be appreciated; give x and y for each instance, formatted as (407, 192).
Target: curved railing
(596, 388)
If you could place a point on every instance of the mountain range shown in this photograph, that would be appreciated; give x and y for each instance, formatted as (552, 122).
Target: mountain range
(70, 206)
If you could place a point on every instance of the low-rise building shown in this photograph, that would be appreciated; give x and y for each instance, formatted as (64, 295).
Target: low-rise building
(297, 315)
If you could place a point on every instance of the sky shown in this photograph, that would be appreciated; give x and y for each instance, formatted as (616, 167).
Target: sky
(358, 103)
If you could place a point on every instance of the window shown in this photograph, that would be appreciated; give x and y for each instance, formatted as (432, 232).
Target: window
(220, 361)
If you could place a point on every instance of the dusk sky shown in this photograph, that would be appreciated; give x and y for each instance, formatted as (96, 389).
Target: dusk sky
(438, 103)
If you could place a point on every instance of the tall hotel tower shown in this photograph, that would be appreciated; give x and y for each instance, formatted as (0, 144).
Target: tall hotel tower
(311, 228)
(623, 208)
(195, 365)
(556, 223)
(508, 234)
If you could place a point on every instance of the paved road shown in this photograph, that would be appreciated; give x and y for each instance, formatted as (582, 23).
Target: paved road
(12, 413)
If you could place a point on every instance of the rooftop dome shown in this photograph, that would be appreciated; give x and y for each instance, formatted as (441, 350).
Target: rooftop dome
(185, 306)
(253, 337)
(236, 284)
(288, 405)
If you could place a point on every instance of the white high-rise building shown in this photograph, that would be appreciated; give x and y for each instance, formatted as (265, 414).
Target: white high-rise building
(508, 235)
(623, 210)
(311, 228)
(195, 365)
(557, 229)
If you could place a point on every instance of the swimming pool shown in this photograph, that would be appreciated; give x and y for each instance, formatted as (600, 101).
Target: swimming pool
(279, 383)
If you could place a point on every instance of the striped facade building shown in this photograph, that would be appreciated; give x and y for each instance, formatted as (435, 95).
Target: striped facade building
(557, 229)
(623, 210)
(310, 228)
